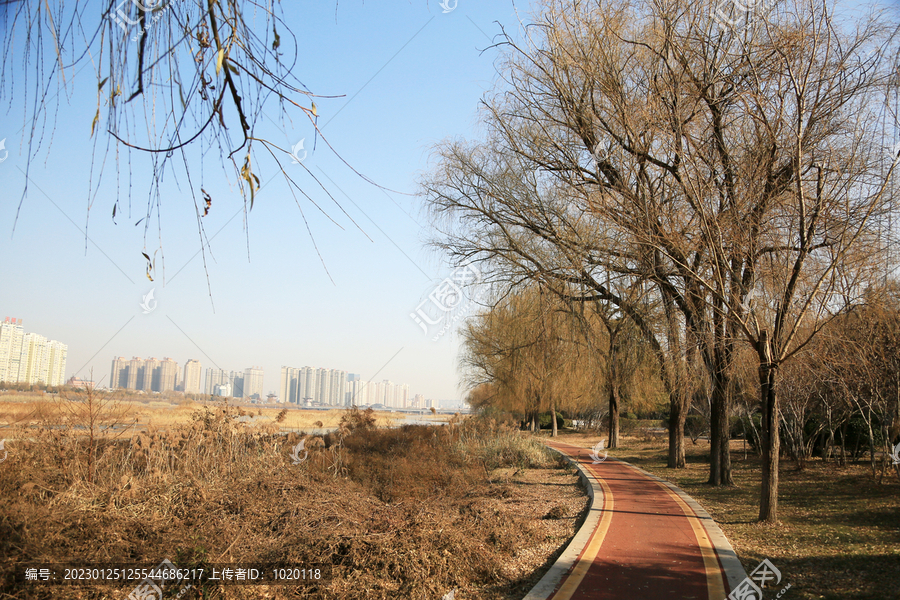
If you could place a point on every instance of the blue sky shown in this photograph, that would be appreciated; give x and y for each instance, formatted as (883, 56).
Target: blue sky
(411, 75)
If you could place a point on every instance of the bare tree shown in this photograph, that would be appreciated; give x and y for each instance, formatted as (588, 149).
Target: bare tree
(98, 414)
(614, 344)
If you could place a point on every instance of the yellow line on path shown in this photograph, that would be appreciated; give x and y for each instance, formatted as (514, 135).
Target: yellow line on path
(593, 548)
(714, 583)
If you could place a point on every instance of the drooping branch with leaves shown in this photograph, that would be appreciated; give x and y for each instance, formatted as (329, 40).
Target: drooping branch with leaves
(181, 82)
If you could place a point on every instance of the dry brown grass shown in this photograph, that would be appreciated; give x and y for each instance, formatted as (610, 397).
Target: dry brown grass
(839, 531)
(35, 408)
(412, 512)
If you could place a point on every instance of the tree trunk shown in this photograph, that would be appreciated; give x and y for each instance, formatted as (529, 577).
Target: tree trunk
(613, 417)
(677, 417)
(725, 442)
(715, 450)
(843, 443)
(719, 428)
(553, 417)
(720, 435)
(871, 441)
(769, 434)
(677, 386)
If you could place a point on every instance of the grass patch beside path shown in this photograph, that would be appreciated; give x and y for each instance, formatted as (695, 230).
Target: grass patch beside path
(839, 531)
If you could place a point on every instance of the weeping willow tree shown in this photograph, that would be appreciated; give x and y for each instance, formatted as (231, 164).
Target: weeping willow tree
(534, 351)
(622, 361)
(176, 81)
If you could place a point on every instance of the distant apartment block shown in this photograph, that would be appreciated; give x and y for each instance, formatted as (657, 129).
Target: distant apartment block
(309, 385)
(334, 387)
(150, 375)
(237, 384)
(30, 357)
(253, 383)
(216, 377)
(192, 376)
(298, 386)
(118, 374)
(166, 376)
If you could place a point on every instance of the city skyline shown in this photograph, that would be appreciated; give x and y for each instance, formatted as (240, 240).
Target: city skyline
(309, 386)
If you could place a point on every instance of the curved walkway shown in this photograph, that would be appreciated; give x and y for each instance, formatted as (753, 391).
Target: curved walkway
(643, 539)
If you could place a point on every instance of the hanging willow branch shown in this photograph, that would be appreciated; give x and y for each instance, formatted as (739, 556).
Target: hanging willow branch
(172, 77)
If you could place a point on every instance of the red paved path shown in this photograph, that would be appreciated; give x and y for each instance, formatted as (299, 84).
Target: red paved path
(648, 544)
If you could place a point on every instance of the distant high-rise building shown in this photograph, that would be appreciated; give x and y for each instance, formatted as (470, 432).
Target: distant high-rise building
(376, 392)
(149, 377)
(307, 384)
(357, 392)
(41, 360)
(350, 389)
(56, 370)
(235, 380)
(213, 378)
(292, 385)
(11, 334)
(324, 380)
(237, 385)
(338, 387)
(166, 375)
(135, 378)
(192, 372)
(31, 359)
(118, 375)
(253, 382)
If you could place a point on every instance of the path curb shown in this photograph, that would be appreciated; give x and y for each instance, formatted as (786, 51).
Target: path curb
(548, 584)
